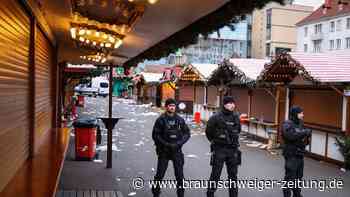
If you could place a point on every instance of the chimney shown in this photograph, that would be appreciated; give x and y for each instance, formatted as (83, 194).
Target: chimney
(341, 4)
(328, 4)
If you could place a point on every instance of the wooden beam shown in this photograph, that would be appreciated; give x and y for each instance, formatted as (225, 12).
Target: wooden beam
(271, 94)
(344, 113)
(348, 116)
(337, 90)
(250, 96)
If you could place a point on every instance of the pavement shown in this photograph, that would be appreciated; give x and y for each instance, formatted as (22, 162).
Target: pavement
(134, 156)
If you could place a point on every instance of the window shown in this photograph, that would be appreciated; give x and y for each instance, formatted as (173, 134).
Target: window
(268, 33)
(348, 23)
(104, 85)
(305, 47)
(268, 48)
(339, 25)
(332, 26)
(268, 24)
(338, 43)
(318, 28)
(268, 17)
(305, 31)
(317, 45)
(331, 44)
(348, 43)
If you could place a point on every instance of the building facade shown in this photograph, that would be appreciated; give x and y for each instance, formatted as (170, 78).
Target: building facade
(326, 29)
(274, 30)
(225, 43)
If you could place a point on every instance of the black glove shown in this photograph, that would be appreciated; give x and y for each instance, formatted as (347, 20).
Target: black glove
(308, 132)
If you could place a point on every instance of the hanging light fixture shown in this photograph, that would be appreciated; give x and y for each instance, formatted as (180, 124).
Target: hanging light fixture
(98, 57)
(95, 38)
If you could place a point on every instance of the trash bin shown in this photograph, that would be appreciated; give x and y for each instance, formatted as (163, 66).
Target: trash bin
(85, 138)
(197, 117)
(80, 100)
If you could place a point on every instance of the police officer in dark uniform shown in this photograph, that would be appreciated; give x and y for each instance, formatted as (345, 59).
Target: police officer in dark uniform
(170, 132)
(295, 138)
(222, 131)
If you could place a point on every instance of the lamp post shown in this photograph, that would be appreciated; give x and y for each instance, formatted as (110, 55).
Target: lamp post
(109, 121)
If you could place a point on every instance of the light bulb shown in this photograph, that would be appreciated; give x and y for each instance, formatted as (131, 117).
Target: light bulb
(108, 45)
(111, 39)
(152, 1)
(82, 32)
(118, 43)
(73, 32)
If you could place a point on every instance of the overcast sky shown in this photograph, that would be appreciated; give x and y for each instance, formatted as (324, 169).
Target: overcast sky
(314, 3)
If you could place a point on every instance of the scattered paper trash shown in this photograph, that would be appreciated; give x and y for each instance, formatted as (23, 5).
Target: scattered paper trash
(191, 156)
(98, 161)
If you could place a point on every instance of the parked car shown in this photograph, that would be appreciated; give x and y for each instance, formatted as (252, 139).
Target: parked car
(86, 89)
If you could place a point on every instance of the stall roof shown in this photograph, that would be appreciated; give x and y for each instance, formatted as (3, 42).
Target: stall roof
(205, 70)
(163, 28)
(151, 77)
(250, 67)
(326, 67)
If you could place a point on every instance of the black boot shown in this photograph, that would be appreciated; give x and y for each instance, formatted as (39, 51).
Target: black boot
(287, 192)
(210, 194)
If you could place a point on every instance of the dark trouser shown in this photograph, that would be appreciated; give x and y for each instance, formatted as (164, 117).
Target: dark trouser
(232, 159)
(178, 162)
(294, 168)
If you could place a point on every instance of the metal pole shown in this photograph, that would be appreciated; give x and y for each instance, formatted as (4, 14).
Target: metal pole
(109, 135)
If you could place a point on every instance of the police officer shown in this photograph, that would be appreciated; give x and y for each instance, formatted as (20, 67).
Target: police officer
(295, 138)
(170, 132)
(222, 131)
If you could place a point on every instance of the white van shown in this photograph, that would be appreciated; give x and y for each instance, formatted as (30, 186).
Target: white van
(102, 85)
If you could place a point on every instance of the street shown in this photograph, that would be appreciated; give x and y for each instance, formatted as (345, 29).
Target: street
(134, 156)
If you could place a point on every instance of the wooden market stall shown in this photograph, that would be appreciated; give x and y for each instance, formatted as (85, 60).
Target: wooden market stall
(192, 88)
(316, 82)
(146, 86)
(237, 78)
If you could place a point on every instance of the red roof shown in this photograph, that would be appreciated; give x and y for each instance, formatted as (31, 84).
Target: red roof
(319, 14)
(326, 67)
(156, 68)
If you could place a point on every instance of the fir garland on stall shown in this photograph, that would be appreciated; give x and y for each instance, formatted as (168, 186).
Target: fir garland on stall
(230, 13)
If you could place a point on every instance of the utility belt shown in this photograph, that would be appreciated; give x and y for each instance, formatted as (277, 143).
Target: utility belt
(218, 145)
(289, 150)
